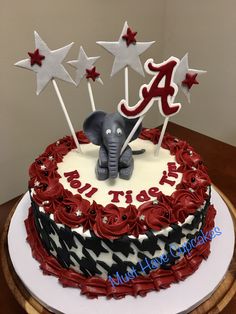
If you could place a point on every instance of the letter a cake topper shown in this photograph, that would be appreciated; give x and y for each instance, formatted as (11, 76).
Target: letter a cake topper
(161, 88)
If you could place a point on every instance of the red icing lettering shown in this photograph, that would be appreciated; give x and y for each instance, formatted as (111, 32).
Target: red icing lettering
(172, 166)
(142, 196)
(84, 188)
(173, 174)
(151, 92)
(128, 197)
(165, 179)
(153, 192)
(71, 175)
(172, 170)
(91, 192)
(116, 195)
(75, 184)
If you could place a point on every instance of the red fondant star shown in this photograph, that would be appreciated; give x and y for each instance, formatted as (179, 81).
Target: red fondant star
(92, 74)
(36, 57)
(190, 79)
(129, 37)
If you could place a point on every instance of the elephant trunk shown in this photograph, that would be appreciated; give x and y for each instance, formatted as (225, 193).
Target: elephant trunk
(113, 159)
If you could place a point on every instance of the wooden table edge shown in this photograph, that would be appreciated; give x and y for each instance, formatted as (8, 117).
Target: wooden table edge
(221, 297)
(21, 294)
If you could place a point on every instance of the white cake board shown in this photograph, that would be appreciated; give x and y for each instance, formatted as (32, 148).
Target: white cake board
(179, 298)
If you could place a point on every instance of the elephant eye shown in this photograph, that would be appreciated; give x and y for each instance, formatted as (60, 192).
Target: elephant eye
(119, 131)
(108, 131)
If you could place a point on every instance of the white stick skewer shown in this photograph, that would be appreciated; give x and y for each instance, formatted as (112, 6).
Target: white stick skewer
(91, 97)
(66, 115)
(127, 85)
(161, 137)
(131, 134)
(127, 102)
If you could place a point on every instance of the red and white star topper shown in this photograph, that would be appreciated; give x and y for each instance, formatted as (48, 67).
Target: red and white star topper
(185, 77)
(161, 88)
(126, 52)
(85, 68)
(47, 64)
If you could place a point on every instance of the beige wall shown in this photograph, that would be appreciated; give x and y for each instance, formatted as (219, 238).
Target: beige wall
(28, 123)
(207, 30)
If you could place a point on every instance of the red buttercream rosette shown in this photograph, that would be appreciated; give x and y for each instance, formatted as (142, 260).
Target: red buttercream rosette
(150, 134)
(194, 179)
(76, 211)
(173, 144)
(111, 222)
(156, 216)
(185, 203)
(89, 214)
(69, 211)
(136, 226)
(43, 167)
(60, 148)
(165, 199)
(189, 159)
(49, 194)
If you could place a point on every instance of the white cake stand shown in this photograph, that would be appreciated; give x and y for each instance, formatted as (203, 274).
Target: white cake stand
(180, 298)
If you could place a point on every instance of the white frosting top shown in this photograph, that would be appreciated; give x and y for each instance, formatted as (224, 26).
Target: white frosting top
(148, 171)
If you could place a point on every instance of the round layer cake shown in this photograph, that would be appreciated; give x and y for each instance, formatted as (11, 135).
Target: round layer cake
(118, 237)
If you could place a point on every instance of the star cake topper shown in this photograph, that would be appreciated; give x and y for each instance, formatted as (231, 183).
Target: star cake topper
(85, 67)
(46, 63)
(185, 78)
(126, 51)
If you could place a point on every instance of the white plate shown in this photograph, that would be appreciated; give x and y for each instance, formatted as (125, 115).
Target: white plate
(179, 298)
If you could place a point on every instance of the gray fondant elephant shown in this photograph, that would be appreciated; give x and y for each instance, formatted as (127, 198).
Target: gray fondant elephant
(110, 131)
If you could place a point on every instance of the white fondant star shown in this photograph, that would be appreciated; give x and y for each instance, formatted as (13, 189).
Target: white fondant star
(180, 75)
(126, 54)
(82, 64)
(50, 67)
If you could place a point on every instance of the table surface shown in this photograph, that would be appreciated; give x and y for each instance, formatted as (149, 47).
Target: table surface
(220, 159)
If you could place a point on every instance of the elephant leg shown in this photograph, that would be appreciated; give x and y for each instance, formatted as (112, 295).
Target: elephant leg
(101, 173)
(126, 158)
(126, 173)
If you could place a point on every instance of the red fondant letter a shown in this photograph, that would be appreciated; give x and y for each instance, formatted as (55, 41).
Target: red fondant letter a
(160, 88)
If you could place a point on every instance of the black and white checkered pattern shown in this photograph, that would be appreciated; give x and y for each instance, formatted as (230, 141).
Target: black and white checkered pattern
(91, 255)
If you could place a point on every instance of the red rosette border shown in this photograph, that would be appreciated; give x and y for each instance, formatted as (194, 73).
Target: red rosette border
(94, 286)
(150, 134)
(132, 220)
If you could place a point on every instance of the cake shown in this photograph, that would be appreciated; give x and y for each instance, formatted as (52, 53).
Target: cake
(123, 237)
(134, 215)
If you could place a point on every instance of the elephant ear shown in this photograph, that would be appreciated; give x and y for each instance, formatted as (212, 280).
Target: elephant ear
(93, 127)
(129, 124)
